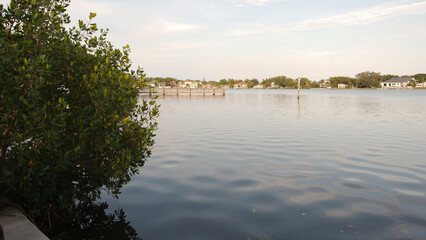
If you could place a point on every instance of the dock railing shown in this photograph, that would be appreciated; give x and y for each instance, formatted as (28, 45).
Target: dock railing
(183, 91)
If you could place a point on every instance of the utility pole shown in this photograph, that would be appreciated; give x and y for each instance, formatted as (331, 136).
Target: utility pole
(298, 88)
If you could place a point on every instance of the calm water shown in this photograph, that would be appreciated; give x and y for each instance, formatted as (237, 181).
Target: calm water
(256, 164)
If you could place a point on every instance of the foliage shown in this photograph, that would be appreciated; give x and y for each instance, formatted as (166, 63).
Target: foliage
(223, 82)
(421, 77)
(91, 221)
(361, 80)
(305, 83)
(314, 84)
(71, 121)
(160, 79)
(285, 82)
(387, 77)
(251, 82)
(280, 81)
(334, 81)
(230, 82)
(368, 79)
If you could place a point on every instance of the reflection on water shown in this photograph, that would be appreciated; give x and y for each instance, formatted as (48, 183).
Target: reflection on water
(259, 164)
(92, 222)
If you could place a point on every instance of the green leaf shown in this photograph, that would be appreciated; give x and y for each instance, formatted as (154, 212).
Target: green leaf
(52, 86)
(92, 15)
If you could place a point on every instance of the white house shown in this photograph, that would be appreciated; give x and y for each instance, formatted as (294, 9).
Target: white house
(342, 85)
(421, 85)
(240, 85)
(397, 82)
(163, 85)
(188, 84)
(151, 84)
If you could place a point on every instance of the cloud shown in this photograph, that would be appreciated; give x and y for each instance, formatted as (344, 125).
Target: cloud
(80, 9)
(243, 3)
(365, 16)
(187, 46)
(242, 33)
(315, 54)
(213, 6)
(180, 27)
(258, 29)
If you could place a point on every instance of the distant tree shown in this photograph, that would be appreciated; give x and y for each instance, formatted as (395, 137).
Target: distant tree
(305, 83)
(213, 83)
(223, 82)
(334, 81)
(266, 83)
(281, 81)
(368, 79)
(231, 82)
(252, 82)
(387, 77)
(315, 84)
(421, 77)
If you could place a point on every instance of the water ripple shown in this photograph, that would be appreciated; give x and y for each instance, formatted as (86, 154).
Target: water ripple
(261, 165)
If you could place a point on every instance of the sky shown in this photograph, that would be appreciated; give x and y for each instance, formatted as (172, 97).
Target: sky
(216, 39)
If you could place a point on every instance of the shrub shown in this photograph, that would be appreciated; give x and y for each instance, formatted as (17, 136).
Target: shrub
(71, 120)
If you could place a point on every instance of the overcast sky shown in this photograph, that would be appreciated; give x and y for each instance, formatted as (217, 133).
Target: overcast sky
(215, 39)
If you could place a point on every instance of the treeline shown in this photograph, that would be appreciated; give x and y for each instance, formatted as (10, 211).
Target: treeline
(285, 82)
(365, 79)
(361, 80)
(420, 77)
(251, 83)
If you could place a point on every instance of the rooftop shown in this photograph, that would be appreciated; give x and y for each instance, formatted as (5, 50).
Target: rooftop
(399, 79)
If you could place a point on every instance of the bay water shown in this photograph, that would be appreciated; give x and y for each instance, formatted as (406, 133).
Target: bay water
(261, 164)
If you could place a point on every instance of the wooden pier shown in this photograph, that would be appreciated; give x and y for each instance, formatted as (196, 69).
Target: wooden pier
(183, 91)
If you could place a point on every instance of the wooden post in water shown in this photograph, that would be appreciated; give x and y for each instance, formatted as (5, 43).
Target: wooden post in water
(177, 91)
(298, 88)
(189, 91)
(164, 92)
(213, 91)
(204, 92)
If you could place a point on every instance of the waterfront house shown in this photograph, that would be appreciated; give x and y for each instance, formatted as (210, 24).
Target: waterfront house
(240, 85)
(342, 85)
(421, 85)
(162, 85)
(173, 84)
(189, 84)
(151, 84)
(324, 83)
(397, 82)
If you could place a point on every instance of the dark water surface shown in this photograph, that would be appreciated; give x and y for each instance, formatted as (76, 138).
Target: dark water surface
(255, 164)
